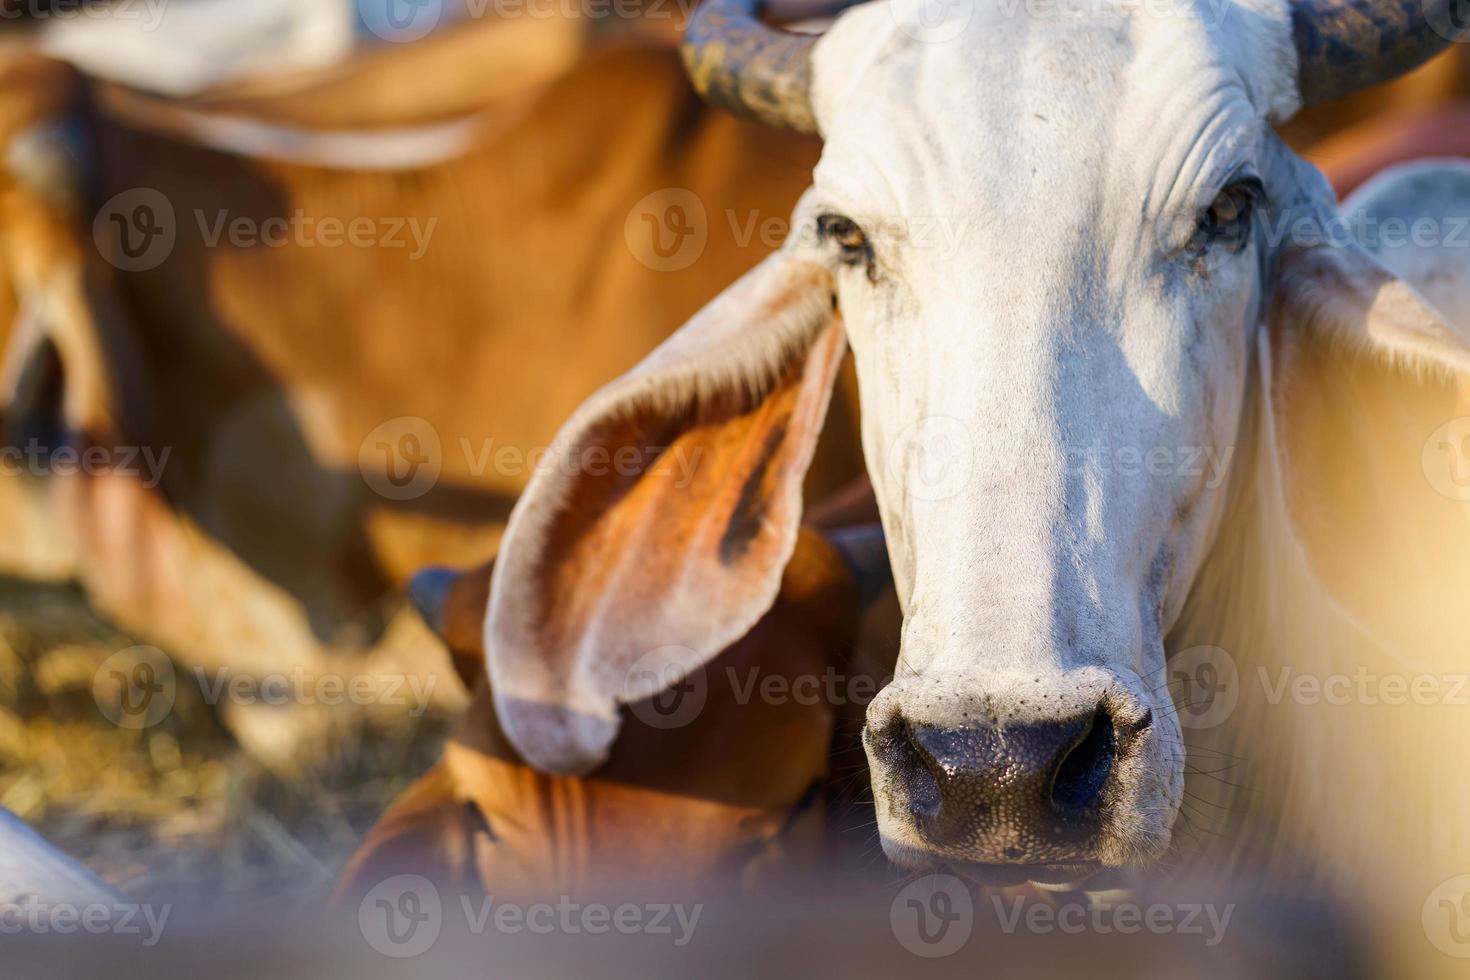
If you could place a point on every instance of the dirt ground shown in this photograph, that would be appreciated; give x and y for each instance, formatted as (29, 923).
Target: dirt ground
(179, 805)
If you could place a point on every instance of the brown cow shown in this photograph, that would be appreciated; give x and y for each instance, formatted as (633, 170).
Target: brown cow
(1351, 157)
(724, 782)
(325, 417)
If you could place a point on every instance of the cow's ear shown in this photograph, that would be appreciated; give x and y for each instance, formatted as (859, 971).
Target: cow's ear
(1341, 295)
(655, 531)
(1368, 407)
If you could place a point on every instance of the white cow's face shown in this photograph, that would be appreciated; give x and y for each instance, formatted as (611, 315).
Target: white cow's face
(1049, 258)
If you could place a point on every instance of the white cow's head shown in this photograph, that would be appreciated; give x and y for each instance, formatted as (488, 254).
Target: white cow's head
(1049, 236)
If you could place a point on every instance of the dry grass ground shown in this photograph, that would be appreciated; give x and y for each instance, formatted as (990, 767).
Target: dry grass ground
(179, 805)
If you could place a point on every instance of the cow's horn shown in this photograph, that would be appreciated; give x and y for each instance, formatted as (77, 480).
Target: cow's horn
(1346, 45)
(740, 64)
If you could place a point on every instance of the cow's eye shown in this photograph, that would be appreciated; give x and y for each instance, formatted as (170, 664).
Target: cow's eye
(853, 247)
(1226, 224)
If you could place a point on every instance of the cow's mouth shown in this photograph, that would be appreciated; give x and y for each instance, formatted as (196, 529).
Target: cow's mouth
(1057, 877)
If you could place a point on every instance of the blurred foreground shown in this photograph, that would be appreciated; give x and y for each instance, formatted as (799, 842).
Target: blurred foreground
(865, 927)
(180, 805)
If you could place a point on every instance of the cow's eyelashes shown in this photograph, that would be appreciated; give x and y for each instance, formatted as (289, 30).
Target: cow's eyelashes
(1226, 224)
(853, 247)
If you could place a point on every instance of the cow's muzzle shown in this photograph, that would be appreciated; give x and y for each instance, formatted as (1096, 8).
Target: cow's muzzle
(1032, 792)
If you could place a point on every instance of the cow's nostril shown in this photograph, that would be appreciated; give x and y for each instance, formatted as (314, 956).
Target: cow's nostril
(1085, 769)
(920, 774)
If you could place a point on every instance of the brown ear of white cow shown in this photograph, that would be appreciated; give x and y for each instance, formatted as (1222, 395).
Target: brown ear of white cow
(656, 532)
(1369, 412)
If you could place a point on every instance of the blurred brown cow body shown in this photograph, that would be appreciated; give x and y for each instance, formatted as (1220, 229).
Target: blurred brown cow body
(509, 270)
(726, 784)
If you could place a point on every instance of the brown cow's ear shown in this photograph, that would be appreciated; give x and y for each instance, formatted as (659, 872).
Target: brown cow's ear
(655, 533)
(1368, 410)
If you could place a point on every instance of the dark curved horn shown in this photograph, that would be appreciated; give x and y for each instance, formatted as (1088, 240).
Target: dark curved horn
(1346, 45)
(738, 63)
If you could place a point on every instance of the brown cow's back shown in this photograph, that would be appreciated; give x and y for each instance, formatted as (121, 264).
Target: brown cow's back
(526, 298)
(289, 383)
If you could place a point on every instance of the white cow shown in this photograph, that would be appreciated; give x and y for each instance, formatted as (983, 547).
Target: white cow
(1134, 395)
(31, 870)
(181, 47)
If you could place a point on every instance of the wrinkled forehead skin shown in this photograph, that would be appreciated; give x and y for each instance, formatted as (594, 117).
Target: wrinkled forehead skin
(1060, 116)
(1022, 171)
